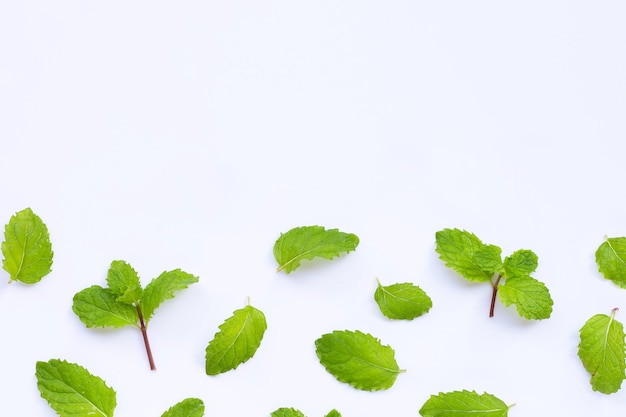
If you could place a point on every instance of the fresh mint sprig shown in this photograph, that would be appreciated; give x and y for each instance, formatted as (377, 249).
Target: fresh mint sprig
(125, 302)
(510, 279)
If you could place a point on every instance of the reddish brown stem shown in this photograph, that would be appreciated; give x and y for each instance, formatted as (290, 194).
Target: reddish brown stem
(493, 295)
(144, 333)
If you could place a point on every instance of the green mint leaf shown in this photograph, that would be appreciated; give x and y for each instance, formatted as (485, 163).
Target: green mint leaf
(464, 404)
(162, 288)
(358, 359)
(287, 412)
(531, 297)
(402, 301)
(190, 407)
(521, 263)
(333, 413)
(601, 350)
(97, 307)
(72, 391)
(611, 260)
(467, 255)
(309, 242)
(237, 341)
(26, 248)
(123, 282)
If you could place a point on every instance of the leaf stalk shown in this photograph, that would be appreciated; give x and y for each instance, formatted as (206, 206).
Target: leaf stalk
(144, 333)
(493, 294)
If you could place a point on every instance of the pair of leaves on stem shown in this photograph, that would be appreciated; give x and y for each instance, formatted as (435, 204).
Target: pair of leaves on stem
(72, 391)
(510, 279)
(292, 412)
(125, 302)
(26, 248)
(309, 242)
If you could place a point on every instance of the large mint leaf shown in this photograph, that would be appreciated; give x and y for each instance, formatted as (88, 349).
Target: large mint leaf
(531, 297)
(237, 341)
(309, 242)
(72, 391)
(611, 260)
(26, 248)
(601, 350)
(97, 307)
(464, 404)
(190, 407)
(467, 255)
(358, 359)
(162, 288)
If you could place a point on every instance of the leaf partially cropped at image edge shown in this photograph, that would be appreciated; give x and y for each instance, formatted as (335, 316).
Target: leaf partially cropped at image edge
(237, 341)
(189, 407)
(287, 412)
(96, 307)
(601, 350)
(467, 255)
(464, 404)
(72, 391)
(333, 413)
(531, 297)
(403, 301)
(309, 242)
(358, 359)
(163, 288)
(611, 260)
(26, 248)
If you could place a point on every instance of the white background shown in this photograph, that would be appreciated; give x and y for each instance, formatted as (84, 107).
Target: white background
(191, 134)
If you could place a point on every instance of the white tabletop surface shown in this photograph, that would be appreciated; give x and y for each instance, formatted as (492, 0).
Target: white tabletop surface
(191, 134)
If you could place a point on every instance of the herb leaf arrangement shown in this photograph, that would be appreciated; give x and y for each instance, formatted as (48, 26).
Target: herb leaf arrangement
(309, 242)
(403, 301)
(464, 404)
(237, 340)
(26, 248)
(601, 350)
(125, 302)
(510, 279)
(358, 359)
(611, 260)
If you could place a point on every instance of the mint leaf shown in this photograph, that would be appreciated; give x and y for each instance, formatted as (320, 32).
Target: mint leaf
(26, 248)
(358, 359)
(72, 391)
(287, 412)
(123, 282)
(333, 413)
(464, 404)
(190, 407)
(402, 301)
(309, 242)
(162, 288)
(97, 307)
(521, 263)
(237, 341)
(124, 302)
(467, 255)
(611, 260)
(531, 297)
(601, 350)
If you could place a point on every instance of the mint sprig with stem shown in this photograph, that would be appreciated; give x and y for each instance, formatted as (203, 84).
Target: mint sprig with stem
(125, 302)
(510, 279)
